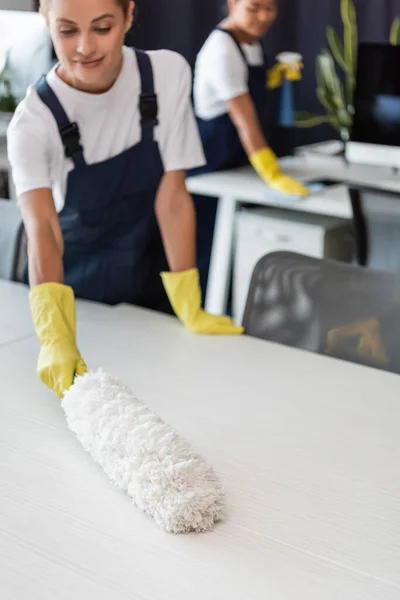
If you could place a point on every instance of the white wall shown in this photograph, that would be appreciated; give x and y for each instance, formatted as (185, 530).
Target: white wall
(17, 5)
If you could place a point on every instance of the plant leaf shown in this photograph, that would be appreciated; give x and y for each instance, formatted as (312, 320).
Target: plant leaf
(328, 80)
(330, 92)
(337, 48)
(323, 98)
(350, 36)
(395, 32)
(349, 18)
(305, 119)
(326, 70)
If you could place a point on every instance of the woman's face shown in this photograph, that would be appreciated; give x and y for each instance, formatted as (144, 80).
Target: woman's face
(88, 36)
(254, 17)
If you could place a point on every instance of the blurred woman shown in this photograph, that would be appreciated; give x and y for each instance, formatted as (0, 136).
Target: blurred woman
(230, 101)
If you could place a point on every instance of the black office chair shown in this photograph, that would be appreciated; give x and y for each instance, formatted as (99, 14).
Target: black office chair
(13, 243)
(376, 219)
(327, 307)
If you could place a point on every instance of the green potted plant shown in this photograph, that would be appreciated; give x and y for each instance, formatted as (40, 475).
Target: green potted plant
(8, 102)
(336, 93)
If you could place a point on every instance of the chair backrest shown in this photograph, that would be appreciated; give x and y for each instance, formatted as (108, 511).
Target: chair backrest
(13, 246)
(26, 45)
(328, 307)
(377, 227)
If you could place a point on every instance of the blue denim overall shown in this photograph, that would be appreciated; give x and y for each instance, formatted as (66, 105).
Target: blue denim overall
(113, 251)
(223, 150)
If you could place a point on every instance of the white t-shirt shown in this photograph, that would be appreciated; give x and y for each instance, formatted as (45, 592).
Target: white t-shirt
(221, 73)
(109, 123)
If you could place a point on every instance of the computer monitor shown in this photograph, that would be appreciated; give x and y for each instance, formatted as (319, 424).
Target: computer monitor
(375, 137)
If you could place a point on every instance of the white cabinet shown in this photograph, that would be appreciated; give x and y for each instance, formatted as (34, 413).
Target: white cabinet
(261, 231)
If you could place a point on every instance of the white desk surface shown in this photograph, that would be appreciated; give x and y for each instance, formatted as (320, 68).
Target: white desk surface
(245, 185)
(307, 448)
(15, 316)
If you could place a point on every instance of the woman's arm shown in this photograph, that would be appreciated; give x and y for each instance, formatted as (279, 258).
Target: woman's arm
(176, 218)
(244, 117)
(52, 303)
(45, 242)
(261, 156)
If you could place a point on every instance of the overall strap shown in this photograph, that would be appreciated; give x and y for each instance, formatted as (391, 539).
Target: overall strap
(236, 42)
(69, 132)
(148, 105)
(265, 56)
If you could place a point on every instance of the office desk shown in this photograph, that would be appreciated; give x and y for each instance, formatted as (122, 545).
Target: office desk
(307, 448)
(243, 185)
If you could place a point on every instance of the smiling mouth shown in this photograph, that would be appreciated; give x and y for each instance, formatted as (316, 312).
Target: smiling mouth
(90, 63)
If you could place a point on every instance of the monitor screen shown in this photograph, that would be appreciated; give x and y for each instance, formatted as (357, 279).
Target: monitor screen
(377, 95)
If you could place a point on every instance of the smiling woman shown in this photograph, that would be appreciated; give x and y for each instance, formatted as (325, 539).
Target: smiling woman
(99, 149)
(88, 47)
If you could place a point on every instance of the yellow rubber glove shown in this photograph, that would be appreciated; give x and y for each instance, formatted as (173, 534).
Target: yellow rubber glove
(266, 165)
(183, 290)
(53, 311)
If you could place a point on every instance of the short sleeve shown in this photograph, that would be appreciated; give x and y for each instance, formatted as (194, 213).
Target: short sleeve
(180, 143)
(27, 149)
(226, 68)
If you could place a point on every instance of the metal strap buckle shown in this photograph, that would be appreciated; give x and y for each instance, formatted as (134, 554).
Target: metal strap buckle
(71, 139)
(148, 108)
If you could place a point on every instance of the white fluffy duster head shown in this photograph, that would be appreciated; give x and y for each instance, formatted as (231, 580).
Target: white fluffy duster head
(142, 455)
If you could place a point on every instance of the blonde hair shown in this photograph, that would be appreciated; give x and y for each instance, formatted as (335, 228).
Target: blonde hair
(44, 5)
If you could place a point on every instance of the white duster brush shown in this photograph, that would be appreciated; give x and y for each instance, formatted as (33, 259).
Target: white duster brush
(142, 455)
